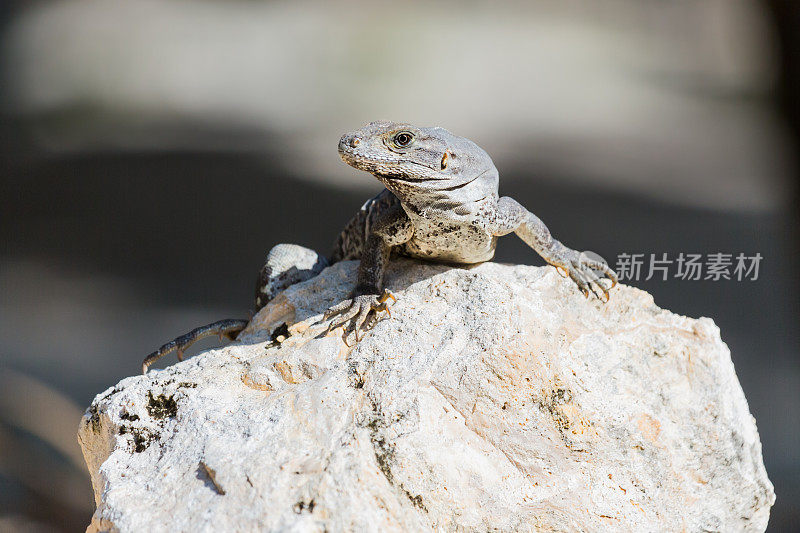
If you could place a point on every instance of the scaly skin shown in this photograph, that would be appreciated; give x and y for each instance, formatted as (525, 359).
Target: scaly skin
(449, 210)
(441, 203)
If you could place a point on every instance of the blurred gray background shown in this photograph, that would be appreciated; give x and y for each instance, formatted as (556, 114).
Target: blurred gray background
(153, 151)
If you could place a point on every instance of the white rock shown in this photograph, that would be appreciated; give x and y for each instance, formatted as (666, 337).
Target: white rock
(495, 398)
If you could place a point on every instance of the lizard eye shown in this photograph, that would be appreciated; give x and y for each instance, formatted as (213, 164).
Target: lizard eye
(403, 139)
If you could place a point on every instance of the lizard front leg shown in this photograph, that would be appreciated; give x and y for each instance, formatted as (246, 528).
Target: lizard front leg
(511, 216)
(369, 297)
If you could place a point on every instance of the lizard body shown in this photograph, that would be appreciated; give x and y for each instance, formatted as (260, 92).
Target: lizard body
(441, 203)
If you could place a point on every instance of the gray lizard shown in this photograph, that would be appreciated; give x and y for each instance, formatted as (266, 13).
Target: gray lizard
(441, 203)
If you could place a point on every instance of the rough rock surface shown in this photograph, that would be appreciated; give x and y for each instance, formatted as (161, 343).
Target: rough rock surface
(495, 398)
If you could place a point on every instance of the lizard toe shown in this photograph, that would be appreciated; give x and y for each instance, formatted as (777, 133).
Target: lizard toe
(359, 314)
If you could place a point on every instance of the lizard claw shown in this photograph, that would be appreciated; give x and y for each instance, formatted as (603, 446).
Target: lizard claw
(359, 314)
(584, 272)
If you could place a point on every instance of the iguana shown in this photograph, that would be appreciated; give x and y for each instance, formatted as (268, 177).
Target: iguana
(441, 203)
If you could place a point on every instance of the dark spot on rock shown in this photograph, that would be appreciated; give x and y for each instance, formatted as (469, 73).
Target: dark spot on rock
(384, 454)
(384, 451)
(416, 501)
(142, 438)
(307, 370)
(356, 380)
(301, 506)
(280, 331)
(187, 385)
(552, 405)
(140, 443)
(94, 418)
(561, 396)
(161, 406)
(127, 416)
(209, 476)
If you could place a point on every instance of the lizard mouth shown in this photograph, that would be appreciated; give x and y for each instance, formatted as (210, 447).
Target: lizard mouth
(382, 167)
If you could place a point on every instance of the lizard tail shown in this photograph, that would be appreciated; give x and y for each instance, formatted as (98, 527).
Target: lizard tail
(228, 328)
(286, 265)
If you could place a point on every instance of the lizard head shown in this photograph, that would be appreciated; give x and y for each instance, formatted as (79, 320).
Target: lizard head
(407, 158)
